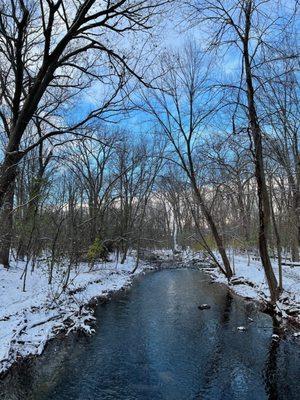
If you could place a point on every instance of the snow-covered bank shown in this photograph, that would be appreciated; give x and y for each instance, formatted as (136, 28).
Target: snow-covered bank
(29, 319)
(249, 281)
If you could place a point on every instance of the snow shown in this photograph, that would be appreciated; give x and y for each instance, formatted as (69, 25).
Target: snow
(241, 328)
(249, 281)
(204, 306)
(29, 319)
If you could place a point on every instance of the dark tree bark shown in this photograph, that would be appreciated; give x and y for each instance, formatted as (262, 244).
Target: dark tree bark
(262, 192)
(23, 87)
(214, 230)
(182, 123)
(6, 223)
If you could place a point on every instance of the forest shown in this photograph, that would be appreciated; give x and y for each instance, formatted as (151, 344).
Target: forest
(138, 129)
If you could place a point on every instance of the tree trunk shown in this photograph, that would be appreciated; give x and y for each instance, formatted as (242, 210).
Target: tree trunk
(8, 173)
(243, 217)
(6, 219)
(278, 245)
(125, 250)
(214, 230)
(262, 192)
(294, 215)
(175, 232)
(295, 230)
(29, 220)
(294, 246)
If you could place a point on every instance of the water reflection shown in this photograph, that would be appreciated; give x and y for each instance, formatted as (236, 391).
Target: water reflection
(214, 364)
(276, 367)
(270, 371)
(153, 343)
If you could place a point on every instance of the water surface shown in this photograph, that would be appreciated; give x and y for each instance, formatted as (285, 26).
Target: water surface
(153, 343)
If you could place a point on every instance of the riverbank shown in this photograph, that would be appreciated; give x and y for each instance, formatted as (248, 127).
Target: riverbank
(153, 342)
(28, 320)
(249, 282)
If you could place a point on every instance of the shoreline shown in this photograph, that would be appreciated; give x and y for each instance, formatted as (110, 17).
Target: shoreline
(288, 325)
(92, 305)
(28, 325)
(285, 321)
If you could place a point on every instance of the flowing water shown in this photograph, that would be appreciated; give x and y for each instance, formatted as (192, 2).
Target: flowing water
(153, 343)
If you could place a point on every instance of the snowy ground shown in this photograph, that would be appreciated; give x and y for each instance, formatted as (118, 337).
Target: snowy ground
(29, 319)
(249, 281)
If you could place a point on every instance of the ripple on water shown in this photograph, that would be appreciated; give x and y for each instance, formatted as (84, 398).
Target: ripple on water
(153, 343)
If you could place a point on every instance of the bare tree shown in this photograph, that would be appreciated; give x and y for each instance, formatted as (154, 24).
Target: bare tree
(90, 161)
(281, 104)
(182, 108)
(246, 25)
(137, 166)
(49, 47)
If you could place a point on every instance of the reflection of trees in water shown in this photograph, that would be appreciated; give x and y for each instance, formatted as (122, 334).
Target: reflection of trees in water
(227, 309)
(55, 368)
(19, 383)
(272, 370)
(42, 373)
(213, 366)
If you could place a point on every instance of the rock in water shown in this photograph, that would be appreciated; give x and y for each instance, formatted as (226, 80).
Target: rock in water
(241, 328)
(204, 306)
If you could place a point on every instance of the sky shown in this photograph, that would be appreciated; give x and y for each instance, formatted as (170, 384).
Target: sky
(171, 34)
